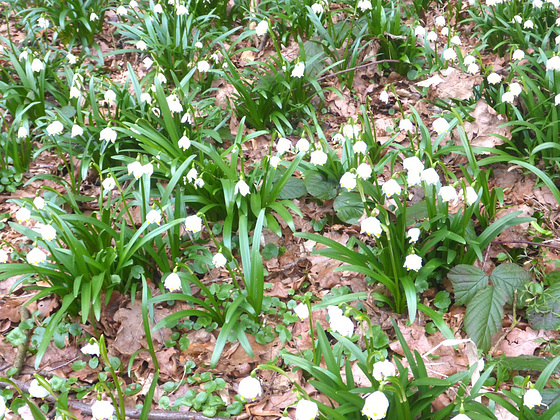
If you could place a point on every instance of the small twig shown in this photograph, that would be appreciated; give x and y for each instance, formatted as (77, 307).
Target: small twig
(135, 414)
(510, 328)
(22, 348)
(526, 243)
(62, 365)
(336, 73)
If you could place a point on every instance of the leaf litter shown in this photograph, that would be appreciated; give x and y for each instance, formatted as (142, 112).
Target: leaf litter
(122, 321)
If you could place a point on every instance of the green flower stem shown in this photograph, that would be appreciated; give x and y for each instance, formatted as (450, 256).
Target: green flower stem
(119, 407)
(272, 36)
(274, 368)
(398, 298)
(122, 194)
(233, 274)
(311, 330)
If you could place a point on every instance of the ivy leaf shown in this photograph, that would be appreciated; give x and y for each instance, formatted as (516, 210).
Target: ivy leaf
(510, 277)
(483, 317)
(467, 281)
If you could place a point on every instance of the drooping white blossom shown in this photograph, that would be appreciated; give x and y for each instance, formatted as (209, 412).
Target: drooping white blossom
(250, 388)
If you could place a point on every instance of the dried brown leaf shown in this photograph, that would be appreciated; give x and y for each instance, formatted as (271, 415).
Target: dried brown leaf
(486, 123)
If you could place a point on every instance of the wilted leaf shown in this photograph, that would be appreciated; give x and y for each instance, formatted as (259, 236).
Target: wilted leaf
(483, 317)
(431, 81)
(520, 343)
(545, 313)
(467, 281)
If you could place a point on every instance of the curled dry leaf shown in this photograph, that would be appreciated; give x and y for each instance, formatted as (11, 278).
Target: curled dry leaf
(456, 85)
(521, 342)
(487, 122)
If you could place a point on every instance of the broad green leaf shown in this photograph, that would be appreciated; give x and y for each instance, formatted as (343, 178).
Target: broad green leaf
(510, 277)
(294, 188)
(466, 280)
(483, 317)
(349, 207)
(318, 186)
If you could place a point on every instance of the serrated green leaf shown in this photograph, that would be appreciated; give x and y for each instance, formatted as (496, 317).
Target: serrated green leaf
(510, 277)
(349, 207)
(318, 186)
(294, 188)
(544, 314)
(483, 317)
(467, 281)
(68, 111)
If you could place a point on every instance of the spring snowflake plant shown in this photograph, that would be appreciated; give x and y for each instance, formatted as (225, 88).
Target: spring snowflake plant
(72, 21)
(109, 251)
(392, 391)
(443, 222)
(172, 42)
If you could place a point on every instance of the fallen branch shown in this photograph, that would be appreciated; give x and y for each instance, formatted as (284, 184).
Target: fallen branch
(134, 414)
(370, 63)
(22, 348)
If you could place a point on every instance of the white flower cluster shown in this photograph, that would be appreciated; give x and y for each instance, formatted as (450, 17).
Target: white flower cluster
(37, 65)
(91, 349)
(55, 128)
(532, 398)
(47, 232)
(348, 181)
(193, 178)
(339, 322)
(153, 216)
(391, 188)
(137, 169)
(77, 81)
(108, 135)
(413, 262)
(262, 28)
(36, 390)
(371, 226)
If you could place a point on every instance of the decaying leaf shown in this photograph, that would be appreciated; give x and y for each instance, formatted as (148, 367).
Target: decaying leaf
(520, 342)
(455, 84)
(487, 122)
